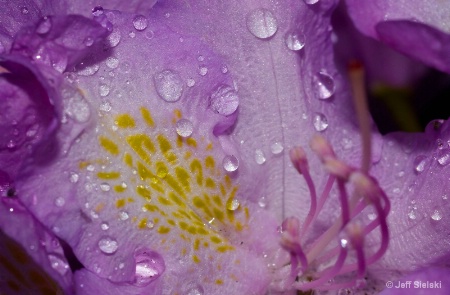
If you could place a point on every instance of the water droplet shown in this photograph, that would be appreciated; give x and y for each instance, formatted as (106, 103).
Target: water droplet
(140, 22)
(344, 243)
(105, 187)
(309, 2)
(440, 144)
(324, 85)
(346, 143)
(60, 201)
(200, 58)
(295, 41)
(123, 215)
(94, 214)
(276, 148)
(437, 215)
(419, 164)
(73, 177)
(168, 85)
(132, 34)
(184, 127)
(97, 11)
(444, 197)
(76, 106)
(104, 90)
(44, 26)
(190, 82)
(443, 157)
(224, 69)
(88, 41)
(104, 226)
(108, 245)
(224, 100)
(112, 62)
(58, 263)
(24, 10)
(114, 38)
(262, 23)
(89, 71)
(232, 204)
(149, 266)
(259, 157)
(230, 163)
(203, 71)
(90, 168)
(193, 289)
(105, 106)
(320, 122)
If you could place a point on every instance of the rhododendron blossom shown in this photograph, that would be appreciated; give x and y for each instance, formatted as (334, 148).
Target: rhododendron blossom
(213, 147)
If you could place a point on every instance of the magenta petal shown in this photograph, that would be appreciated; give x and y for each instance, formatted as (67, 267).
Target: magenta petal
(418, 40)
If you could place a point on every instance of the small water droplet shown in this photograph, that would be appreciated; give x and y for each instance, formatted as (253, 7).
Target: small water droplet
(443, 157)
(224, 69)
(105, 187)
(140, 22)
(230, 163)
(58, 263)
(24, 10)
(44, 26)
(149, 266)
(193, 289)
(132, 34)
(324, 85)
(105, 106)
(346, 143)
(114, 38)
(412, 214)
(262, 202)
(94, 214)
(309, 2)
(112, 62)
(401, 174)
(169, 85)
(123, 215)
(90, 167)
(60, 201)
(320, 122)
(419, 164)
(108, 245)
(190, 82)
(437, 215)
(97, 11)
(203, 71)
(262, 23)
(224, 100)
(104, 90)
(232, 204)
(295, 41)
(444, 197)
(73, 177)
(184, 127)
(259, 157)
(276, 148)
(88, 41)
(200, 58)
(344, 243)
(104, 226)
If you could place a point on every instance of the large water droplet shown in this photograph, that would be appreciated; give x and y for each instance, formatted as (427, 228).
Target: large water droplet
(324, 85)
(58, 263)
(149, 266)
(437, 215)
(262, 23)
(419, 164)
(97, 11)
(276, 148)
(89, 71)
(224, 100)
(320, 122)
(108, 245)
(184, 127)
(259, 157)
(168, 85)
(230, 163)
(295, 41)
(44, 26)
(112, 62)
(114, 38)
(140, 22)
(443, 157)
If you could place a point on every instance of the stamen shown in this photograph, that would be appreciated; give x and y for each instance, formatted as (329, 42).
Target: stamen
(356, 73)
(290, 241)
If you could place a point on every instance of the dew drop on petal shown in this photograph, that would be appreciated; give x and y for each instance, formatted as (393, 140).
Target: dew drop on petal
(105, 187)
(294, 41)
(412, 214)
(184, 127)
(320, 122)
(224, 100)
(105, 106)
(140, 22)
(104, 226)
(443, 157)
(203, 71)
(262, 23)
(149, 266)
(24, 10)
(437, 215)
(260, 157)
(114, 38)
(193, 289)
(190, 82)
(88, 41)
(344, 243)
(58, 263)
(233, 204)
(112, 62)
(224, 69)
(169, 85)
(97, 11)
(73, 177)
(108, 245)
(230, 163)
(76, 105)
(324, 85)
(44, 26)
(60, 201)
(419, 164)
(104, 90)
(276, 148)
(123, 215)
(89, 70)
(309, 2)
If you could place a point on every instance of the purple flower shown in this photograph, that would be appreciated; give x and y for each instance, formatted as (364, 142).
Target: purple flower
(154, 148)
